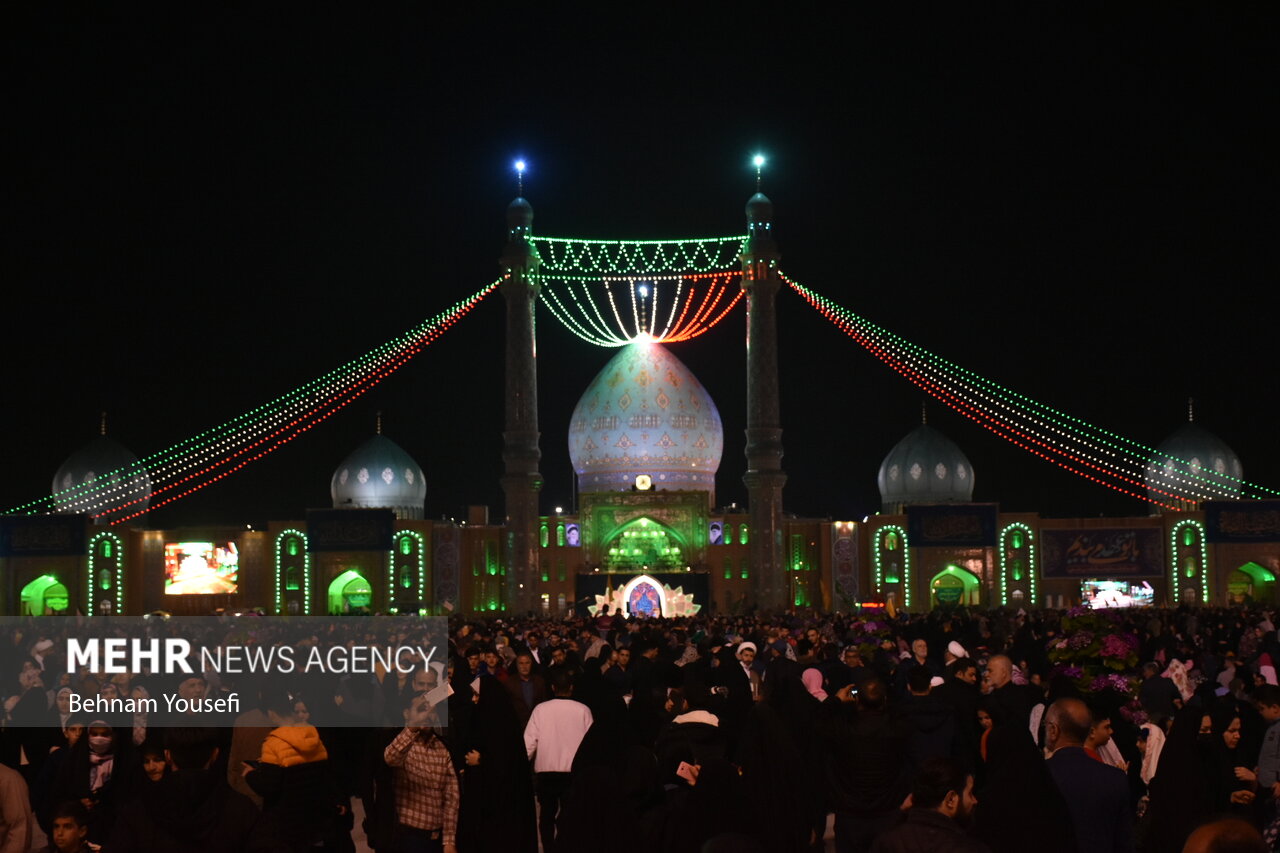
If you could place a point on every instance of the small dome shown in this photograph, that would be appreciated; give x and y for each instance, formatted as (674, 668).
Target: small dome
(1193, 465)
(379, 474)
(109, 467)
(520, 214)
(646, 413)
(925, 467)
(759, 208)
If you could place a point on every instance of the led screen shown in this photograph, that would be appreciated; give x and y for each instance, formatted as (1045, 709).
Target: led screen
(200, 568)
(1103, 594)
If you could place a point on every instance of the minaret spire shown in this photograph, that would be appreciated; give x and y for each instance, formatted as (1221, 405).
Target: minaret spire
(764, 478)
(521, 481)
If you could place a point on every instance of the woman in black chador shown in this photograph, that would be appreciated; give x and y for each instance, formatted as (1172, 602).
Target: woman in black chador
(497, 789)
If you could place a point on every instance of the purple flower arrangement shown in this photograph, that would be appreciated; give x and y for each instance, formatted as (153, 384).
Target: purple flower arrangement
(1096, 652)
(1111, 681)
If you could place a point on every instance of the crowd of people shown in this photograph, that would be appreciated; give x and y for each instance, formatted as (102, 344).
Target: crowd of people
(1132, 730)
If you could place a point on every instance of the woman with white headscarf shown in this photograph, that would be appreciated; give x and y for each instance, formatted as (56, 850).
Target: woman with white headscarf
(1150, 743)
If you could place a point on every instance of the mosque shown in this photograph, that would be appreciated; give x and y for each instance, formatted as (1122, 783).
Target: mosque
(647, 537)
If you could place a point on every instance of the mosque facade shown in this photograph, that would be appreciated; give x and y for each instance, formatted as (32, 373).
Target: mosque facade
(646, 537)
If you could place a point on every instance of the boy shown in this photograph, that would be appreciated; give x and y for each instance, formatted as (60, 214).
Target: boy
(70, 829)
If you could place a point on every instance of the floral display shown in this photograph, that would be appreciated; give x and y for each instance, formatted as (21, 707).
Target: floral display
(1096, 651)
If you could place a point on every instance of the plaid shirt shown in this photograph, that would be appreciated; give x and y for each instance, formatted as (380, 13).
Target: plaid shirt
(426, 786)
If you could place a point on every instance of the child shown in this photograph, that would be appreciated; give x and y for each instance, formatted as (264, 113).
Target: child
(70, 829)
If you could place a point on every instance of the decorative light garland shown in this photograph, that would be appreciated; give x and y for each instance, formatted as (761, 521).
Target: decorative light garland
(577, 302)
(1097, 455)
(213, 454)
(638, 257)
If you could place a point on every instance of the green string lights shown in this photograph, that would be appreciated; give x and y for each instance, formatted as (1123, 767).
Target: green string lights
(1023, 542)
(612, 292)
(108, 548)
(1192, 545)
(637, 257)
(1099, 455)
(217, 453)
(300, 539)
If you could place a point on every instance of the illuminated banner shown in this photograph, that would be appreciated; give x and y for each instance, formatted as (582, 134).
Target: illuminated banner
(844, 559)
(1242, 521)
(951, 524)
(446, 539)
(42, 535)
(350, 529)
(1103, 552)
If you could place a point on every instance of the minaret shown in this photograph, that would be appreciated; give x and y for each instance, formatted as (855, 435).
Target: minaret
(521, 481)
(764, 478)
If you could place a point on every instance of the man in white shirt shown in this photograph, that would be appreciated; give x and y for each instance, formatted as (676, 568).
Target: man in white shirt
(554, 732)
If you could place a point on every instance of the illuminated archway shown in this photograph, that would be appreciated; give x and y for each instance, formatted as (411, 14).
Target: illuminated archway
(952, 587)
(45, 592)
(644, 544)
(644, 596)
(1250, 583)
(349, 592)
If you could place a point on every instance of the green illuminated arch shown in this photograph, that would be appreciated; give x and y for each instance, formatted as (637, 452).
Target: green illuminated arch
(1250, 581)
(45, 592)
(349, 591)
(953, 586)
(644, 542)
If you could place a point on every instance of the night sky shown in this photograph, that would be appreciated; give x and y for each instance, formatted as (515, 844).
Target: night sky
(202, 214)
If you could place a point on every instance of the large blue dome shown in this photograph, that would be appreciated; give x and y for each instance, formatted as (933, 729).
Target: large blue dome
(646, 413)
(112, 471)
(925, 467)
(379, 474)
(1193, 465)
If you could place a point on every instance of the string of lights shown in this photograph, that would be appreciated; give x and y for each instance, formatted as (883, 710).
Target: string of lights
(216, 453)
(637, 257)
(1096, 454)
(662, 308)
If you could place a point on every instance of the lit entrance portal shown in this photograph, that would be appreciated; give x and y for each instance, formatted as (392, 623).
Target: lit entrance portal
(45, 594)
(644, 598)
(349, 593)
(1250, 583)
(952, 587)
(644, 545)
